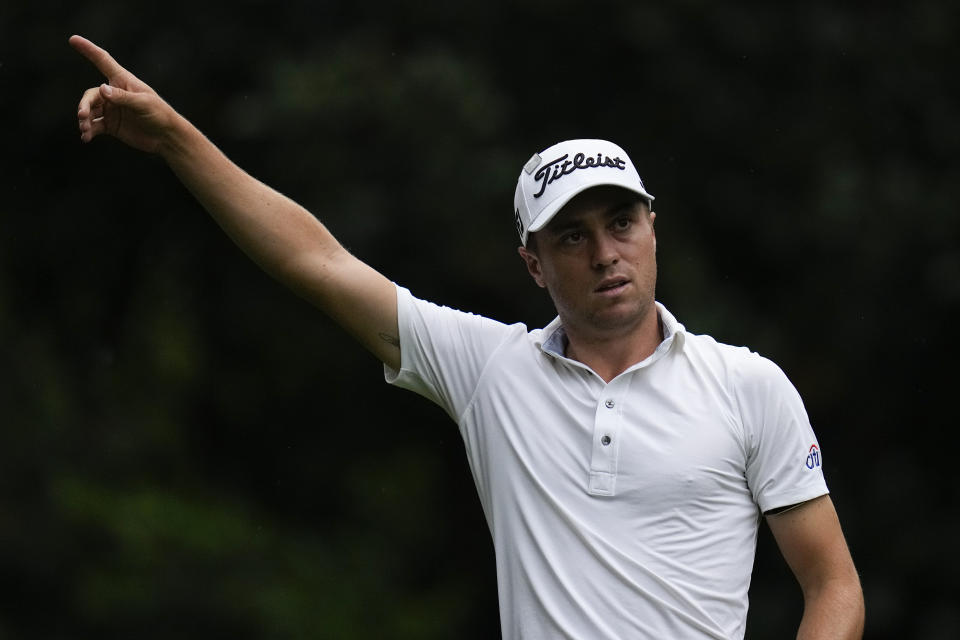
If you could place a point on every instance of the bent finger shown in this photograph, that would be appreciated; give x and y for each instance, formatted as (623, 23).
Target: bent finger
(86, 121)
(89, 101)
(90, 129)
(102, 60)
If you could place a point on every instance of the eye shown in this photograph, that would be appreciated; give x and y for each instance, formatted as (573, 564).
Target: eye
(622, 223)
(572, 237)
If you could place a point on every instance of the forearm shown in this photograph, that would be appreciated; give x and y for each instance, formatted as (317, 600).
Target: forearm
(834, 611)
(286, 241)
(276, 232)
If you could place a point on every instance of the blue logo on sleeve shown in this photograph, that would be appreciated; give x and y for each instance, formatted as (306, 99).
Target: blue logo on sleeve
(813, 457)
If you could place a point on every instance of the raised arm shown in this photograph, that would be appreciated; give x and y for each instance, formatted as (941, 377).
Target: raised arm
(812, 542)
(277, 233)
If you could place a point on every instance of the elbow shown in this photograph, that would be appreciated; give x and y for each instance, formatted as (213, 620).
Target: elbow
(834, 609)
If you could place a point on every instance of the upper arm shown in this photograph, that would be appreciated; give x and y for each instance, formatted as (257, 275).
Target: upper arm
(778, 437)
(811, 541)
(357, 297)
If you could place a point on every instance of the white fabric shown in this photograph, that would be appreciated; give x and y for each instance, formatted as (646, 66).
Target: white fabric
(649, 536)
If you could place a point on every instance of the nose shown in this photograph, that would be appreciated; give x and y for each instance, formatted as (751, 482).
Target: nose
(605, 252)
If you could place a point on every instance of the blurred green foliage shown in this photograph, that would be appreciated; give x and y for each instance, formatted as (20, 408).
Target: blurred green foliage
(189, 451)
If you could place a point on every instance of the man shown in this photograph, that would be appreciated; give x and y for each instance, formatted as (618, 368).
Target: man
(622, 463)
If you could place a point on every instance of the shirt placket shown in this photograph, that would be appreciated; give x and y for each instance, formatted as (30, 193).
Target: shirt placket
(606, 438)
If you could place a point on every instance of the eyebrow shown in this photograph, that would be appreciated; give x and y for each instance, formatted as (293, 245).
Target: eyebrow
(559, 227)
(626, 205)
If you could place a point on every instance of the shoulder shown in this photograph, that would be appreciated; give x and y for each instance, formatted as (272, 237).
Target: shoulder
(425, 322)
(745, 373)
(737, 360)
(742, 359)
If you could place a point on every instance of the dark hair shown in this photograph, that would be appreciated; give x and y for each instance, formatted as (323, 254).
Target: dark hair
(532, 241)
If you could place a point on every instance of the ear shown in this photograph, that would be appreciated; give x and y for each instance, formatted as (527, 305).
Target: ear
(533, 265)
(653, 229)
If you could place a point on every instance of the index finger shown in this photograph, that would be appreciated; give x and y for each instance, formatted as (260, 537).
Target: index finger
(102, 60)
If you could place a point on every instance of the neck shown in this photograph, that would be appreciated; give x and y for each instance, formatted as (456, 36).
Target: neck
(609, 354)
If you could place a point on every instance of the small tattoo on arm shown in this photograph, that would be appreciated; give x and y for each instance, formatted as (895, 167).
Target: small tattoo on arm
(394, 340)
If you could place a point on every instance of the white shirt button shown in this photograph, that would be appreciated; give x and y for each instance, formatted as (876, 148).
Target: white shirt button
(609, 404)
(605, 440)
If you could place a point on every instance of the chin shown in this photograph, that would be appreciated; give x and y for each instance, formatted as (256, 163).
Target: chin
(622, 316)
(616, 321)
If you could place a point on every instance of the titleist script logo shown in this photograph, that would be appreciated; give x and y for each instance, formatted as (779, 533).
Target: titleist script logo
(562, 167)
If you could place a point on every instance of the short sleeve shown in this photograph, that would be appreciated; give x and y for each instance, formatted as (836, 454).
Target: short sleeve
(784, 463)
(443, 351)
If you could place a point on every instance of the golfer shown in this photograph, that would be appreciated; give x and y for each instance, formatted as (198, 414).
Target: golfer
(623, 463)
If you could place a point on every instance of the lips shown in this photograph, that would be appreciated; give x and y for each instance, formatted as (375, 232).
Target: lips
(611, 284)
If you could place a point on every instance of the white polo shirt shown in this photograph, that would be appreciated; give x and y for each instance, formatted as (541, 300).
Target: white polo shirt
(620, 510)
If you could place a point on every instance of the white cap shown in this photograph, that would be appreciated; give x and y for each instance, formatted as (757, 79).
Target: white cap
(555, 175)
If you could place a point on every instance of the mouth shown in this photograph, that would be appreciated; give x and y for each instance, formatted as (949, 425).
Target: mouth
(612, 286)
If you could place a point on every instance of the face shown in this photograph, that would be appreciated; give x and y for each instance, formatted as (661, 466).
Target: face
(597, 260)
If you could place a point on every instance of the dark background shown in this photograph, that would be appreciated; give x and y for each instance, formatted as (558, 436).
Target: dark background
(188, 450)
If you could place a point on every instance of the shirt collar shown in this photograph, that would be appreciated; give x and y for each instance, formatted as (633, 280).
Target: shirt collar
(554, 341)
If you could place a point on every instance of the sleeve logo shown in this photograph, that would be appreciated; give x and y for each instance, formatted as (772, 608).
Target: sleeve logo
(813, 457)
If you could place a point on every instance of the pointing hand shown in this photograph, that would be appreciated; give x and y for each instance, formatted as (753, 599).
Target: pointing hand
(123, 107)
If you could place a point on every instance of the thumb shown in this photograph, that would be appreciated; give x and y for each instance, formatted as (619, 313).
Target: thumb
(114, 95)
